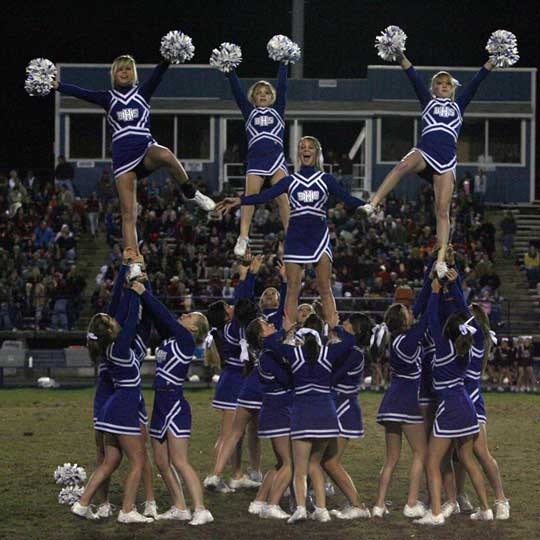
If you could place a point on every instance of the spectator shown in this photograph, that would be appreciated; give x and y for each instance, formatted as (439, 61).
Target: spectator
(509, 228)
(105, 188)
(43, 235)
(64, 174)
(480, 188)
(531, 263)
(66, 243)
(93, 208)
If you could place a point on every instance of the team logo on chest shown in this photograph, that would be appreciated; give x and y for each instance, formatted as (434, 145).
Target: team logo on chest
(308, 196)
(161, 356)
(444, 112)
(127, 115)
(263, 121)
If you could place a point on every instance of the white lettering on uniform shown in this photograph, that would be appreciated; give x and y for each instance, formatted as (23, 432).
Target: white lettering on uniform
(445, 112)
(127, 115)
(308, 196)
(263, 121)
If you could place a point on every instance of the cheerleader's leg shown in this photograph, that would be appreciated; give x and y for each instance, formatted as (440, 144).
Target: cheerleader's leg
(443, 187)
(254, 443)
(393, 435)
(126, 184)
(294, 283)
(283, 476)
(316, 471)
(301, 453)
(133, 446)
(438, 447)
(323, 272)
(282, 201)
(163, 462)
(466, 456)
(158, 156)
(148, 476)
(416, 437)
(488, 462)
(254, 184)
(413, 162)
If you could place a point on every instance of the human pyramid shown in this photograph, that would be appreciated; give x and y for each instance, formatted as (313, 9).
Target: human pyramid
(292, 370)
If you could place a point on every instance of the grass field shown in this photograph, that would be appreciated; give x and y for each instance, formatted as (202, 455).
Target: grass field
(41, 429)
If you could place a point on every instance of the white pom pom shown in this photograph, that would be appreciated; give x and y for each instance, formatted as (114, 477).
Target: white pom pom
(176, 47)
(69, 474)
(40, 75)
(502, 48)
(215, 378)
(227, 57)
(391, 43)
(194, 379)
(70, 494)
(282, 49)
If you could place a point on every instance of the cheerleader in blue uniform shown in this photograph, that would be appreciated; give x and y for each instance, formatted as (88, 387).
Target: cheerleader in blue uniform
(233, 320)
(434, 157)
(170, 427)
(456, 419)
(313, 417)
(274, 419)
(347, 379)
(264, 113)
(135, 153)
(307, 239)
(399, 411)
(119, 418)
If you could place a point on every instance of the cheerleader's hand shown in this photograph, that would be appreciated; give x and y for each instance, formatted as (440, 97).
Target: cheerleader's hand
(256, 264)
(55, 84)
(436, 286)
(139, 288)
(282, 271)
(451, 275)
(227, 204)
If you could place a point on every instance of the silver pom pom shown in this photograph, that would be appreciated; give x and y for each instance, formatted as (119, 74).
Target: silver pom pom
(70, 494)
(227, 57)
(391, 43)
(40, 75)
(69, 474)
(502, 48)
(176, 47)
(282, 49)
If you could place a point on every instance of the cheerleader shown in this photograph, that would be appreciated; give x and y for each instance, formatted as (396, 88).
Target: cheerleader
(313, 418)
(119, 417)
(479, 354)
(346, 381)
(233, 320)
(135, 153)
(456, 419)
(399, 411)
(170, 427)
(274, 420)
(264, 113)
(307, 239)
(434, 157)
(526, 378)
(105, 389)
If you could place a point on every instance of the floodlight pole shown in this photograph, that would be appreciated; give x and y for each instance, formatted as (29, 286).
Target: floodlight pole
(297, 71)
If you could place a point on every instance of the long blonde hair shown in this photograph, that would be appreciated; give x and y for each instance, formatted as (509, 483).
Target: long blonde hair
(100, 335)
(253, 89)
(319, 161)
(121, 61)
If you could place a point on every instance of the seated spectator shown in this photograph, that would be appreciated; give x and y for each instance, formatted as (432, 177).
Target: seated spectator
(531, 263)
(66, 243)
(508, 227)
(43, 235)
(64, 174)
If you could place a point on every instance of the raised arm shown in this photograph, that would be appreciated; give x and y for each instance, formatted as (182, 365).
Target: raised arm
(149, 86)
(421, 301)
(122, 344)
(281, 90)
(117, 291)
(239, 95)
(144, 329)
(468, 92)
(412, 338)
(166, 325)
(434, 317)
(420, 89)
(98, 97)
(338, 191)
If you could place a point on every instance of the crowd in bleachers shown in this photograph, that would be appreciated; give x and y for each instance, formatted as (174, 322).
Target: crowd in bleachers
(40, 286)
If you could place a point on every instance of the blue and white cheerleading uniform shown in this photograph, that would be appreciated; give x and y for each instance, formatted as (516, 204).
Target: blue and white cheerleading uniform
(346, 382)
(442, 119)
(128, 117)
(276, 382)
(473, 375)
(313, 411)
(265, 127)
(456, 415)
(307, 238)
(120, 413)
(400, 402)
(171, 412)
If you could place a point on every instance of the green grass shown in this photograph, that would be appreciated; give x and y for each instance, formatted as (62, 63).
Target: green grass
(41, 429)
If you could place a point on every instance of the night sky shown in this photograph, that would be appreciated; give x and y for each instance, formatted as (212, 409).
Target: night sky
(339, 38)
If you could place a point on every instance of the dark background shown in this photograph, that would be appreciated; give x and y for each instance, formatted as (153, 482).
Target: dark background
(339, 38)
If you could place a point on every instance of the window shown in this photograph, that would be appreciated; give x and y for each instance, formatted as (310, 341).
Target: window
(193, 137)
(397, 137)
(85, 136)
(505, 140)
(162, 129)
(471, 140)
(236, 141)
